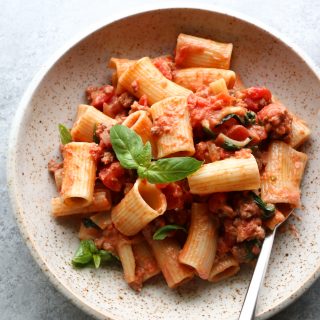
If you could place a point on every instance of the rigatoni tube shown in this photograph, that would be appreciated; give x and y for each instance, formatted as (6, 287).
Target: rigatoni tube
(143, 203)
(200, 248)
(143, 78)
(232, 174)
(193, 51)
(283, 173)
(166, 253)
(223, 268)
(171, 127)
(100, 202)
(195, 78)
(79, 174)
(83, 128)
(141, 124)
(300, 132)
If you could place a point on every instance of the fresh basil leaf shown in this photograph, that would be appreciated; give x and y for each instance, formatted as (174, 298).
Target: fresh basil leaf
(144, 158)
(250, 118)
(170, 169)
(88, 255)
(128, 147)
(107, 256)
(163, 232)
(96, 260)
(88, 223)
(83, 255)
(267, 208)
(65, 135)
(228, 117)
(227, 145)
(95, 138)
(209, 132)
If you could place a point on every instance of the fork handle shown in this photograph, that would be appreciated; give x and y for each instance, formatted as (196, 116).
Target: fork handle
(250, 301)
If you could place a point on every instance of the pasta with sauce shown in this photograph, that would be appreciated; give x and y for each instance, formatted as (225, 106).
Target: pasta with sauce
(178, 168)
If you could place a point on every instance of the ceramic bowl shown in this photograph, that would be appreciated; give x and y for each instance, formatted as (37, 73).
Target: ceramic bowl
(261, 58)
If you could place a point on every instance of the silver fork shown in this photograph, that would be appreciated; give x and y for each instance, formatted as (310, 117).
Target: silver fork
(250, 301)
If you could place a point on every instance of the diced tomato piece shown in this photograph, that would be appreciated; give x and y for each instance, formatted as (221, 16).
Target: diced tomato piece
(113, 176)
(256, 98)
(238, 132)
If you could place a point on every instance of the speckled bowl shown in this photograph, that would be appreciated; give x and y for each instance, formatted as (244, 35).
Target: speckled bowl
(262, 59)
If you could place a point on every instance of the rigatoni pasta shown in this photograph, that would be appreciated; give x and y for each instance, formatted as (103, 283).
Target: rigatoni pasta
(233, 174)
(143, 78)
(178, 168)
(198, 52)
(166, 253)
(79, 173)
(142, 204)
(172, 129)
(88, 119)
(195, 78)
(100, 202)
(283, 174)
(200, 247)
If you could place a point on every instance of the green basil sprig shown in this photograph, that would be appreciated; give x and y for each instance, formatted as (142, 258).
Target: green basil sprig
(164, 231)
(133, 154)
(228, 117)
(65, 135)
(249, 118)
(88, 255)
(268, 209)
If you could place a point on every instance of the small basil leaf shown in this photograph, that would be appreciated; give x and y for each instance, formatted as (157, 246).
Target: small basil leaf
(128, 147)
(250, 118)
(144, 158)
(96, 260)
(65, 135)
(95, 138)
(83, 254)
(107, 256)
(163, 232)
(227, 145)
(170, 169)
(88, 223)
(267, 208)
(228, 117)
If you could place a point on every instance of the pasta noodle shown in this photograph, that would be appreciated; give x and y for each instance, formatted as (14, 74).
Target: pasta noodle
(166, 253)
(143, 78)
(224, 268)
(198, 52)
(196, 78)
(83, 128)
(101, 202)
(233, 174)
(141, 124)
(218, 86)
(200, 248)
(79, 174)
(300, 132)
(143, 203)
(177, 141)
(283, 173)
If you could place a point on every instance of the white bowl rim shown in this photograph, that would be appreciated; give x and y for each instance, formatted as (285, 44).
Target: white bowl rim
(28, 95)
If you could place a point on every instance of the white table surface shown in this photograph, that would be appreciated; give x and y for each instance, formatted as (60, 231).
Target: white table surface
(30, 31)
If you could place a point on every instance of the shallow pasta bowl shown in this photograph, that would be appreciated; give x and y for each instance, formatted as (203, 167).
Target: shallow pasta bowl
(261, 58)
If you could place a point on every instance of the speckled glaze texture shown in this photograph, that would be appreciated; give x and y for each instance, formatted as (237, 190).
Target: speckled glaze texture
(260, 59)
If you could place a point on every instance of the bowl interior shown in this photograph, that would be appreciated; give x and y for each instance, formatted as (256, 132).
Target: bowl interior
(260, 59)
